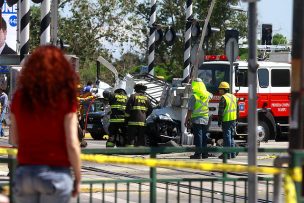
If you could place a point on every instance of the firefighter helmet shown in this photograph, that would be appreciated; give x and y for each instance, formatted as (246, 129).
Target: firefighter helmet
(140, 87)
(224, 85)
(120, 90)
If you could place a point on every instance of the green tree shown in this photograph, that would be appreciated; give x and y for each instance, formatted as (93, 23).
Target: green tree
(34, 28)
(173, 13)
(278, 39)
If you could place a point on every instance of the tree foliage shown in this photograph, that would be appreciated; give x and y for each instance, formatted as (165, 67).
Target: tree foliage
(93, 27)
(172, 13)
(278, 39)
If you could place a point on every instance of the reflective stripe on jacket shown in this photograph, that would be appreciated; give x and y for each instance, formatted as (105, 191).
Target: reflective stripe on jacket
(118, 106)
(201, 108)
(230, 111)
(138, 108)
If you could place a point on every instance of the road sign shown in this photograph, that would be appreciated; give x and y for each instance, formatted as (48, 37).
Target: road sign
(232, 49)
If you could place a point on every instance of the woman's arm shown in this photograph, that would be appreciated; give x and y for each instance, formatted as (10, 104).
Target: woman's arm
(73, 147)
(13, 133)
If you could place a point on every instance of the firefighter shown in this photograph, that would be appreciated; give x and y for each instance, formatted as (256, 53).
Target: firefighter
(117, 127)
(198, 111)
(138, 109)
(82, 98)
(227, 116)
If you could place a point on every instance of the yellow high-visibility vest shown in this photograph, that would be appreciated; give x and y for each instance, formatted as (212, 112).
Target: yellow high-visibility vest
(230, 110)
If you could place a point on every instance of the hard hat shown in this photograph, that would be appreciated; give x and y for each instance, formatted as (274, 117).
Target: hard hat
(224, 85)
(140, 86)
(198, 85)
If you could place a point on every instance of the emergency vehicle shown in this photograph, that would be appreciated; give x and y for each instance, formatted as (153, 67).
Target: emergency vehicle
(273, 94)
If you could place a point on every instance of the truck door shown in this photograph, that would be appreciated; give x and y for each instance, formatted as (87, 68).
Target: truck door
(280, 91)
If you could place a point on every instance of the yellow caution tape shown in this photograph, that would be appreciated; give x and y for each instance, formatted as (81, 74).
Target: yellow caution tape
(290, 190)
(180, 164)
(296, 174)
(267, 157)
(8, 151)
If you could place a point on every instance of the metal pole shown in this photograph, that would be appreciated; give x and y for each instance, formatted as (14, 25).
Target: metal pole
(18, 27)
(187, 65)
(187, 46)
(231, 65)
(45, 35)
(200, 46)
(24, 28)
(297, 86)
(252, 89)
(54, 22)
(153, 180)
(151, 45)
(296, 140)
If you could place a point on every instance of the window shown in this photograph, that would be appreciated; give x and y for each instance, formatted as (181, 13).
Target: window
(263, 76)
(213, 74)
(241, 79)
(280, 78)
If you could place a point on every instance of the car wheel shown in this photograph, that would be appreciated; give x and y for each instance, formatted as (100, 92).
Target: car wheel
(263, 132)
(96, 136)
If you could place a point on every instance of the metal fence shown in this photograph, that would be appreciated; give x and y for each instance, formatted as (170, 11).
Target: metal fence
(223, 187)
(226, 187)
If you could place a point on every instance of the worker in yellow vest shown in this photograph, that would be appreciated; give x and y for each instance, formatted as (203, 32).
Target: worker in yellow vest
(227, 116)
(198, 116)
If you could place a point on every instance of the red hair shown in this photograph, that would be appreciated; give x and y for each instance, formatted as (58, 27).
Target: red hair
(47, 80)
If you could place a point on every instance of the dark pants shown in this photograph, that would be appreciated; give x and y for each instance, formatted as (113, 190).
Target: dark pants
(228, 135)
(117, 132)
(200, 136)
(136, 135)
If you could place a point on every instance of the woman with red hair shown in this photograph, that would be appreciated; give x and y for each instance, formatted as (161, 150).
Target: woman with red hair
(44, 128)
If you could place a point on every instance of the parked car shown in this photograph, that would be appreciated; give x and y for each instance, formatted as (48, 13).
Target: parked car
(95, 120)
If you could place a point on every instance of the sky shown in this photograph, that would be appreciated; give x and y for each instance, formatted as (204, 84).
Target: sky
(278, 13)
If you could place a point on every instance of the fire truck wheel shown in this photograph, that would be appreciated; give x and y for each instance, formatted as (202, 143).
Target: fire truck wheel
(263, 131)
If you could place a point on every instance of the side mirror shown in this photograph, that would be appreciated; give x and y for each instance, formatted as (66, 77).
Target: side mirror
(240, 79)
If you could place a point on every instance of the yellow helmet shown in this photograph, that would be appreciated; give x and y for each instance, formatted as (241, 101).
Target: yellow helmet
(224, 85)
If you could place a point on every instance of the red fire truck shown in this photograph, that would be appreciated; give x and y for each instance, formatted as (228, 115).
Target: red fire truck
(273, 94)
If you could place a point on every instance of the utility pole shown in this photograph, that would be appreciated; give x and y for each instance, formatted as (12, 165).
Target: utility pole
(252, 90)
(296, 140)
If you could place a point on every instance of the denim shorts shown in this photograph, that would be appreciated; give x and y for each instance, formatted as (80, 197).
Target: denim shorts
(42, 184)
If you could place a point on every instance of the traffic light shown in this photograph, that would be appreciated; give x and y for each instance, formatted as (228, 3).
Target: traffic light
(10, 3)
(231, 34)
(266, 34)
(196, 30)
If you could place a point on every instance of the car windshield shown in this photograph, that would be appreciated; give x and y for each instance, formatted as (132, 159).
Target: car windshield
(213, 74)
